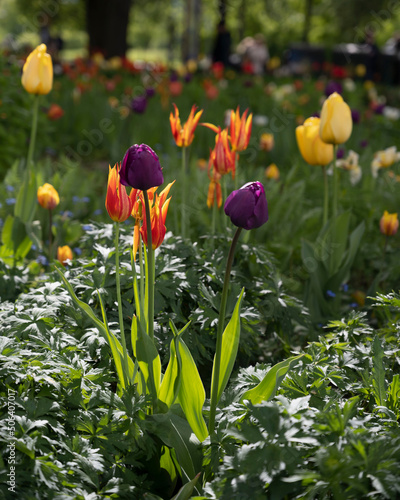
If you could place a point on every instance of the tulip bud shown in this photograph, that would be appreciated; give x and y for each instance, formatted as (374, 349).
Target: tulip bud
(141, 168)
(37, 73)
(247, 207)
(47, 196)
(336, 121)
(389, 223)
(63, 254)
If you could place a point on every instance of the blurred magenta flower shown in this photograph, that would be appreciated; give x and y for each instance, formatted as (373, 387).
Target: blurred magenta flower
(247, 207)
(141, 168)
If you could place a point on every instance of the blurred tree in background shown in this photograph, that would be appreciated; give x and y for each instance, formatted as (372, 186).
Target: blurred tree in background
(185, 28)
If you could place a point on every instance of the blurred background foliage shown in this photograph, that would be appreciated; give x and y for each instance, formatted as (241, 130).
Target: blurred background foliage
(156, 29)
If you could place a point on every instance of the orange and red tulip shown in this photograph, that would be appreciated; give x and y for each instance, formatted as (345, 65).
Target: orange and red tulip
(184, 136)
(48, 196)
(222, 156)
(118, 204)
(158, 213)
(240, 130)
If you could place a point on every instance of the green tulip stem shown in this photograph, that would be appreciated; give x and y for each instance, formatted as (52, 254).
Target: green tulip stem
(150, 269)
(33, 133)
(50, 234)
(326, 196)
(141, 270)
(335, 183)
(183, 193)
(220, 331)
(236, 183)
(121, 319)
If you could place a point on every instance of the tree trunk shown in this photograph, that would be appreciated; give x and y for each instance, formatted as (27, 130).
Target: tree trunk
(307, 19)
(107, 26)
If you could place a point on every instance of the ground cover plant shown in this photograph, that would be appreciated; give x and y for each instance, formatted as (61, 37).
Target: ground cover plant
(199, 284)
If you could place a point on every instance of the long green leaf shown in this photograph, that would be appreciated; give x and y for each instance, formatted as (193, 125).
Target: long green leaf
(191, 393)
(175, 432)
(230, 345)
(148, 359)
(170, 384)
(267, 388)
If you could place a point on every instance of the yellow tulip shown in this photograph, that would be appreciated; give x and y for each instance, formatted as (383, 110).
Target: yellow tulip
(312, 148)
(64, 254)
(37, 73)
(272, 172)
(47, 196)
(389, 223)
(336, 121)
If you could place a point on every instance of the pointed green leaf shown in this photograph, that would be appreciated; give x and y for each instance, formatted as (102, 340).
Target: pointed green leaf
(185, 493)
(230, 345)
(191, 393)
(148, 359)
(267, 388)
(26, 203)
(169, 389)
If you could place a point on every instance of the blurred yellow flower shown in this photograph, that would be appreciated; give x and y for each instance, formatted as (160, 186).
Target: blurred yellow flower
(384, 159)
(389, 223)
(272, 172)
(312, 148)
(351, 165)
(48, 196)
(336, 122)
(267, 142)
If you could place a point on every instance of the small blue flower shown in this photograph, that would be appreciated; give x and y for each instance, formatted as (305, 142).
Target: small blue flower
(354, 305)
(330, 294)
(76, 199)
(67, 213)
(10, 201)
(85, 199)
(77, 251)
(345, 287)
(33, 247)
(99, 211)
(10, 188)
(87, 227)
(41, 259)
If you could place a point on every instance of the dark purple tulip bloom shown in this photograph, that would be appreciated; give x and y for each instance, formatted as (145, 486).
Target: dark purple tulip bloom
(364, 143)
(141, 168)
(332, 87)
(340, 153)
(173, 77)
(150, 91)
(188, 77)
(139, 104)
(378, 110)
(247, 207)
(355, 115)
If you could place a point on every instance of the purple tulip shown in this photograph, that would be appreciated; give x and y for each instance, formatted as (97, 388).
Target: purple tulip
(141, 168)
(150, 91)
(355, 115)
(247, 207)
(340, 154)
(332, 87)
(139, 104)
